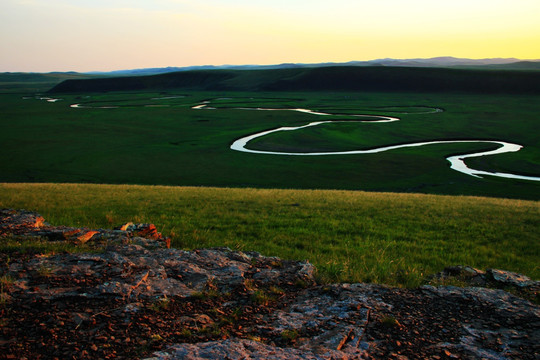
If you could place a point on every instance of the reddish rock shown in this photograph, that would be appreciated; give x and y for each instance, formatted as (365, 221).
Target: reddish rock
(148, 231)
(126, 226)
(86, 236)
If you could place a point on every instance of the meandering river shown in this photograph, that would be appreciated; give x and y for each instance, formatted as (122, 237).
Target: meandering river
(457, 162)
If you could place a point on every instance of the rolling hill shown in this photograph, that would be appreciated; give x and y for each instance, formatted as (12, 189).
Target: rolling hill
(336, 78)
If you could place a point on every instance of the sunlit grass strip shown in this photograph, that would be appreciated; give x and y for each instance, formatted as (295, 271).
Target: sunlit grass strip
(350, 236)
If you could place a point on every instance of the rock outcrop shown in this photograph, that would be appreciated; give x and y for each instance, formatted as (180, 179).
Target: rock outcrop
(492, 278)
(29, 224)
(136, 298)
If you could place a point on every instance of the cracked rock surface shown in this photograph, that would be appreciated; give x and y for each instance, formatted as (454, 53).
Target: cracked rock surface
(136, 298)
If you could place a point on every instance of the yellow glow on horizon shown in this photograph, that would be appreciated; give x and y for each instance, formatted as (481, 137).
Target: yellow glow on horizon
(85, 35)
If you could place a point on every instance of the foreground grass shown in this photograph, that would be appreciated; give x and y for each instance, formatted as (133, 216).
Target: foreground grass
(389, 238)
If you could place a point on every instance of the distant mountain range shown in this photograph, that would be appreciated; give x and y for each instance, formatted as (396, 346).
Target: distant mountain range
(445, 62)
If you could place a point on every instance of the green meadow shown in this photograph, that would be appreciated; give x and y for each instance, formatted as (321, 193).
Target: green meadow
(158, 139)
(389, 238)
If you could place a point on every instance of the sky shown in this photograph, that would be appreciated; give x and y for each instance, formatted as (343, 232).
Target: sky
(105, 35)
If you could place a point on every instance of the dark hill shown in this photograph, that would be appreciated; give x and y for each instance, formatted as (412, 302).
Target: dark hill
(520, 65)
(196, 80)
(346, 78)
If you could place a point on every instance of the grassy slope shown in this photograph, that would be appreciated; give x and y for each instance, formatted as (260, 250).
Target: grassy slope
(51, 142)
(350, 236)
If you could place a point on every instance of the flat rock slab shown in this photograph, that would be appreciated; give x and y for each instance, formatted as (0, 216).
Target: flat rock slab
(233, 349)
(133, 272)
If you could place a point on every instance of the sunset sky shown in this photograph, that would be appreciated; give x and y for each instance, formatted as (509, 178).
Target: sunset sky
(103, 35)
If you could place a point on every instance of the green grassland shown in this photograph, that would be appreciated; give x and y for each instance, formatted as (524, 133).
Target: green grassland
(139, 143)
(349, 235)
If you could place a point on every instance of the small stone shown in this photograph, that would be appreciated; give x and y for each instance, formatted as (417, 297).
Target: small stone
(86, 236)
(126, 226)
